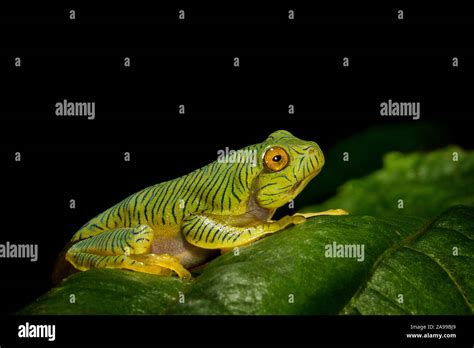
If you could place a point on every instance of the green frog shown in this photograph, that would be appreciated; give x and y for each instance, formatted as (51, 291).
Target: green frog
(179, 224)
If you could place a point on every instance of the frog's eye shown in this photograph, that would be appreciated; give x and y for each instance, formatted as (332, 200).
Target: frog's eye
(275, 159)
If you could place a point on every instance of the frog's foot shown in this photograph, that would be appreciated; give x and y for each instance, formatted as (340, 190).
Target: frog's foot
(326, 212)
(124, 248)
(162, 264)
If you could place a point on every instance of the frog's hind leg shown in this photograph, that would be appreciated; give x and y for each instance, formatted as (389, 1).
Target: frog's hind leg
(125, 248)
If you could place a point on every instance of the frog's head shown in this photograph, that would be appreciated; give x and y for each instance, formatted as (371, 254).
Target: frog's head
(287, 165)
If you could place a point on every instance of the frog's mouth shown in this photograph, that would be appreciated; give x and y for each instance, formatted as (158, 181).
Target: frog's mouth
(301, 184)
(281, 197)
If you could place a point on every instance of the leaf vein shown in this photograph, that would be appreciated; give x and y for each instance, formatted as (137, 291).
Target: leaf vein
(451, 276)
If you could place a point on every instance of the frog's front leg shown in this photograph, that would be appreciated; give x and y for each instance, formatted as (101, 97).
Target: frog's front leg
(326, 212)
(125, 248)
(209, 233)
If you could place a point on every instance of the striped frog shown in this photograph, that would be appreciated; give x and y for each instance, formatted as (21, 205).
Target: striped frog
(182, 223)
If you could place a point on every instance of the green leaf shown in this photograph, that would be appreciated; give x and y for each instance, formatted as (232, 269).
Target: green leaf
(402, 255)
(421, 184)
(107, 291)
(429, 273)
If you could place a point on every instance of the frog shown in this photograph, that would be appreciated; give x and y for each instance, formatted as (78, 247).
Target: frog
(175, 226)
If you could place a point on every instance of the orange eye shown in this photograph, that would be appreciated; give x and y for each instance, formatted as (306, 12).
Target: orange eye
(275, 159)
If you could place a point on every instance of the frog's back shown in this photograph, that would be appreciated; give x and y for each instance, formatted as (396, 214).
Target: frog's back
(167, 204)
(136, 209)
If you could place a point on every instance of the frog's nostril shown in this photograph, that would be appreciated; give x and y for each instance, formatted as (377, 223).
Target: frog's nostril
(311, 150)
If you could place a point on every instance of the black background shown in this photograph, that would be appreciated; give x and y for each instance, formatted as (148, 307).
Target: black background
(190, 62)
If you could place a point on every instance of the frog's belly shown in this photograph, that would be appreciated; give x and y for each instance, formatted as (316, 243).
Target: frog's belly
(189, 255)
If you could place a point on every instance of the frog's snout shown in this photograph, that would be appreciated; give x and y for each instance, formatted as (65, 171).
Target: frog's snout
(315, 151)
